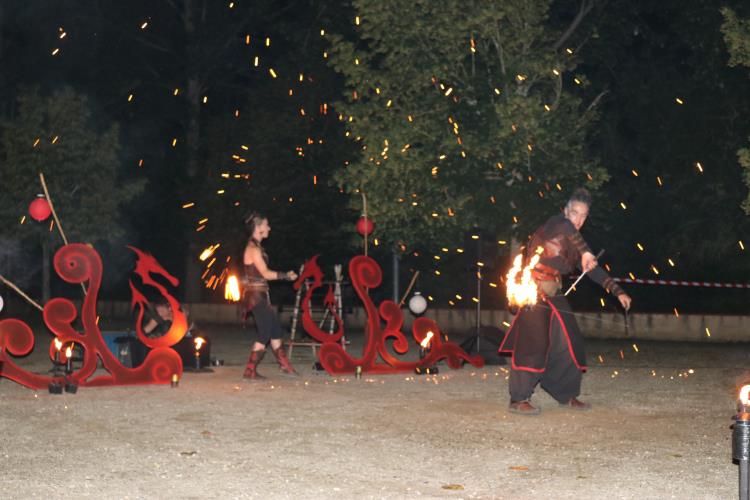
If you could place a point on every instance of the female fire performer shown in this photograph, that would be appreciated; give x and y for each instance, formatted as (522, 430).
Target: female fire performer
(257, 300)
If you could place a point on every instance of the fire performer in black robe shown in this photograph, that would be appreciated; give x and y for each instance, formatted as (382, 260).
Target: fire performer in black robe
(545, 340)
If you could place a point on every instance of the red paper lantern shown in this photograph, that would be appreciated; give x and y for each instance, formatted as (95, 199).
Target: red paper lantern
(365, 226)
(39, 209)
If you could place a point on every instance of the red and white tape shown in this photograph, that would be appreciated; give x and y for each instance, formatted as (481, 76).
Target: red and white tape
(703, 284)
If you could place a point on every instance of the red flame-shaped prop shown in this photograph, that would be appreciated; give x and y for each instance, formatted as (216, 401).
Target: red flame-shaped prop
(78, 263)
(366, 274)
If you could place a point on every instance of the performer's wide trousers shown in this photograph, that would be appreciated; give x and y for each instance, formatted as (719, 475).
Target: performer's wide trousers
(561, 379)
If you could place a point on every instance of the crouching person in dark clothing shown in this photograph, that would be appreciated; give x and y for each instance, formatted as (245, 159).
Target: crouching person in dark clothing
(158, 322)
(545, 340)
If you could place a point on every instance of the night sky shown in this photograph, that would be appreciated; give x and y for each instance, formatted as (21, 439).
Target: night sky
(227, 107)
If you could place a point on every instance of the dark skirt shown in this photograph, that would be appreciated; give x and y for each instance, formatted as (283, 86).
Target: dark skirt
(528, 337)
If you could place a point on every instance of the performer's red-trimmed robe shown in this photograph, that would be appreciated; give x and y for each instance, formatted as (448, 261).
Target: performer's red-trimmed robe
(550, 322)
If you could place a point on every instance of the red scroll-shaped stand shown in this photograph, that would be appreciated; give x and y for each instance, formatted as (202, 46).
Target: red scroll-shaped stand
(365, 274)
(78, 263)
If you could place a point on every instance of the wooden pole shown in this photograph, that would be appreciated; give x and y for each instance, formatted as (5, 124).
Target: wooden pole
(364, 212)
(21, 293)
(57, 220)
(408, 289)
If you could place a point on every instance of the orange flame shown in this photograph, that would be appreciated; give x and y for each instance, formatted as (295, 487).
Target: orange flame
(58, 344)
(68, 351)
(199, 341)
(745, 395)
(426, 340)
(521, 288)
(232, 289)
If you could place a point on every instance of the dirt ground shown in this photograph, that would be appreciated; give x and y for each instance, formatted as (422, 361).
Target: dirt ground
(657, 430)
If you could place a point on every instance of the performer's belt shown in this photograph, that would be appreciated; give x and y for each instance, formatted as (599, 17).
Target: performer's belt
(545, 273)
(548, 279)
(255, 285)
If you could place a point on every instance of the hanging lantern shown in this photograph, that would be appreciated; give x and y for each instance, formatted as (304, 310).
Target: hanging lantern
(365, 226)
(417, 304)
(39, 209)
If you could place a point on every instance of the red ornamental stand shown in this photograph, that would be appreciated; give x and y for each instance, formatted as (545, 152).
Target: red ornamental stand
(365, 273)
(78, 263)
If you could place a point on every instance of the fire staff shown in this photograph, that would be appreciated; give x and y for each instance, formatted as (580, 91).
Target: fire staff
(544, 339)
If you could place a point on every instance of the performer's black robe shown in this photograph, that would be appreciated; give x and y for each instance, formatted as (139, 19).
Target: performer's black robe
(528, 337)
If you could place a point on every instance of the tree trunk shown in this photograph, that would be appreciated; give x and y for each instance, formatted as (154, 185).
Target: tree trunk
(193, 135)
(3, 79)
(194, 89)
(2, 23)
(192, 284)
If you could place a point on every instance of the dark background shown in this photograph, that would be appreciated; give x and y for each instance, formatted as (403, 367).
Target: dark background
(642, 54)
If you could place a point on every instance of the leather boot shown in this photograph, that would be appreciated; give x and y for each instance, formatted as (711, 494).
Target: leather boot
(284, 363)
(251, 370)
(576, 404)
(523, 408)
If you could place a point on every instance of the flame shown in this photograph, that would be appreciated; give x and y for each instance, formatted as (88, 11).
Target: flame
(426, 340)
(58, 344)
(521, 289)
(745, 395)
(199, 341)
(68, 351)
(232, 289)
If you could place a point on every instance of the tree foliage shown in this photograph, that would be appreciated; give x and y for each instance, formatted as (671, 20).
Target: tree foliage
(673, 120)
(237, 121)
(737, 36)
(277, 159)
(468, 113)
(58, 135)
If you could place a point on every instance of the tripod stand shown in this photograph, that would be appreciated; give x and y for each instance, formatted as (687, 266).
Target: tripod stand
(475, 344)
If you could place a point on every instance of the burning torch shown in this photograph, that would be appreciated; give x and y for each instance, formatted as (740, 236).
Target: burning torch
(69, 359)
(424, 349)
(70, 386)
(232, 290)
(55, 387)
(424, 346)
(199, 341)
(741, 439)
(521, 289)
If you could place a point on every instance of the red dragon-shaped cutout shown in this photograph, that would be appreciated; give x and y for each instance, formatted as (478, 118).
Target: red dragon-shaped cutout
(365, 274)
(79, 263)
